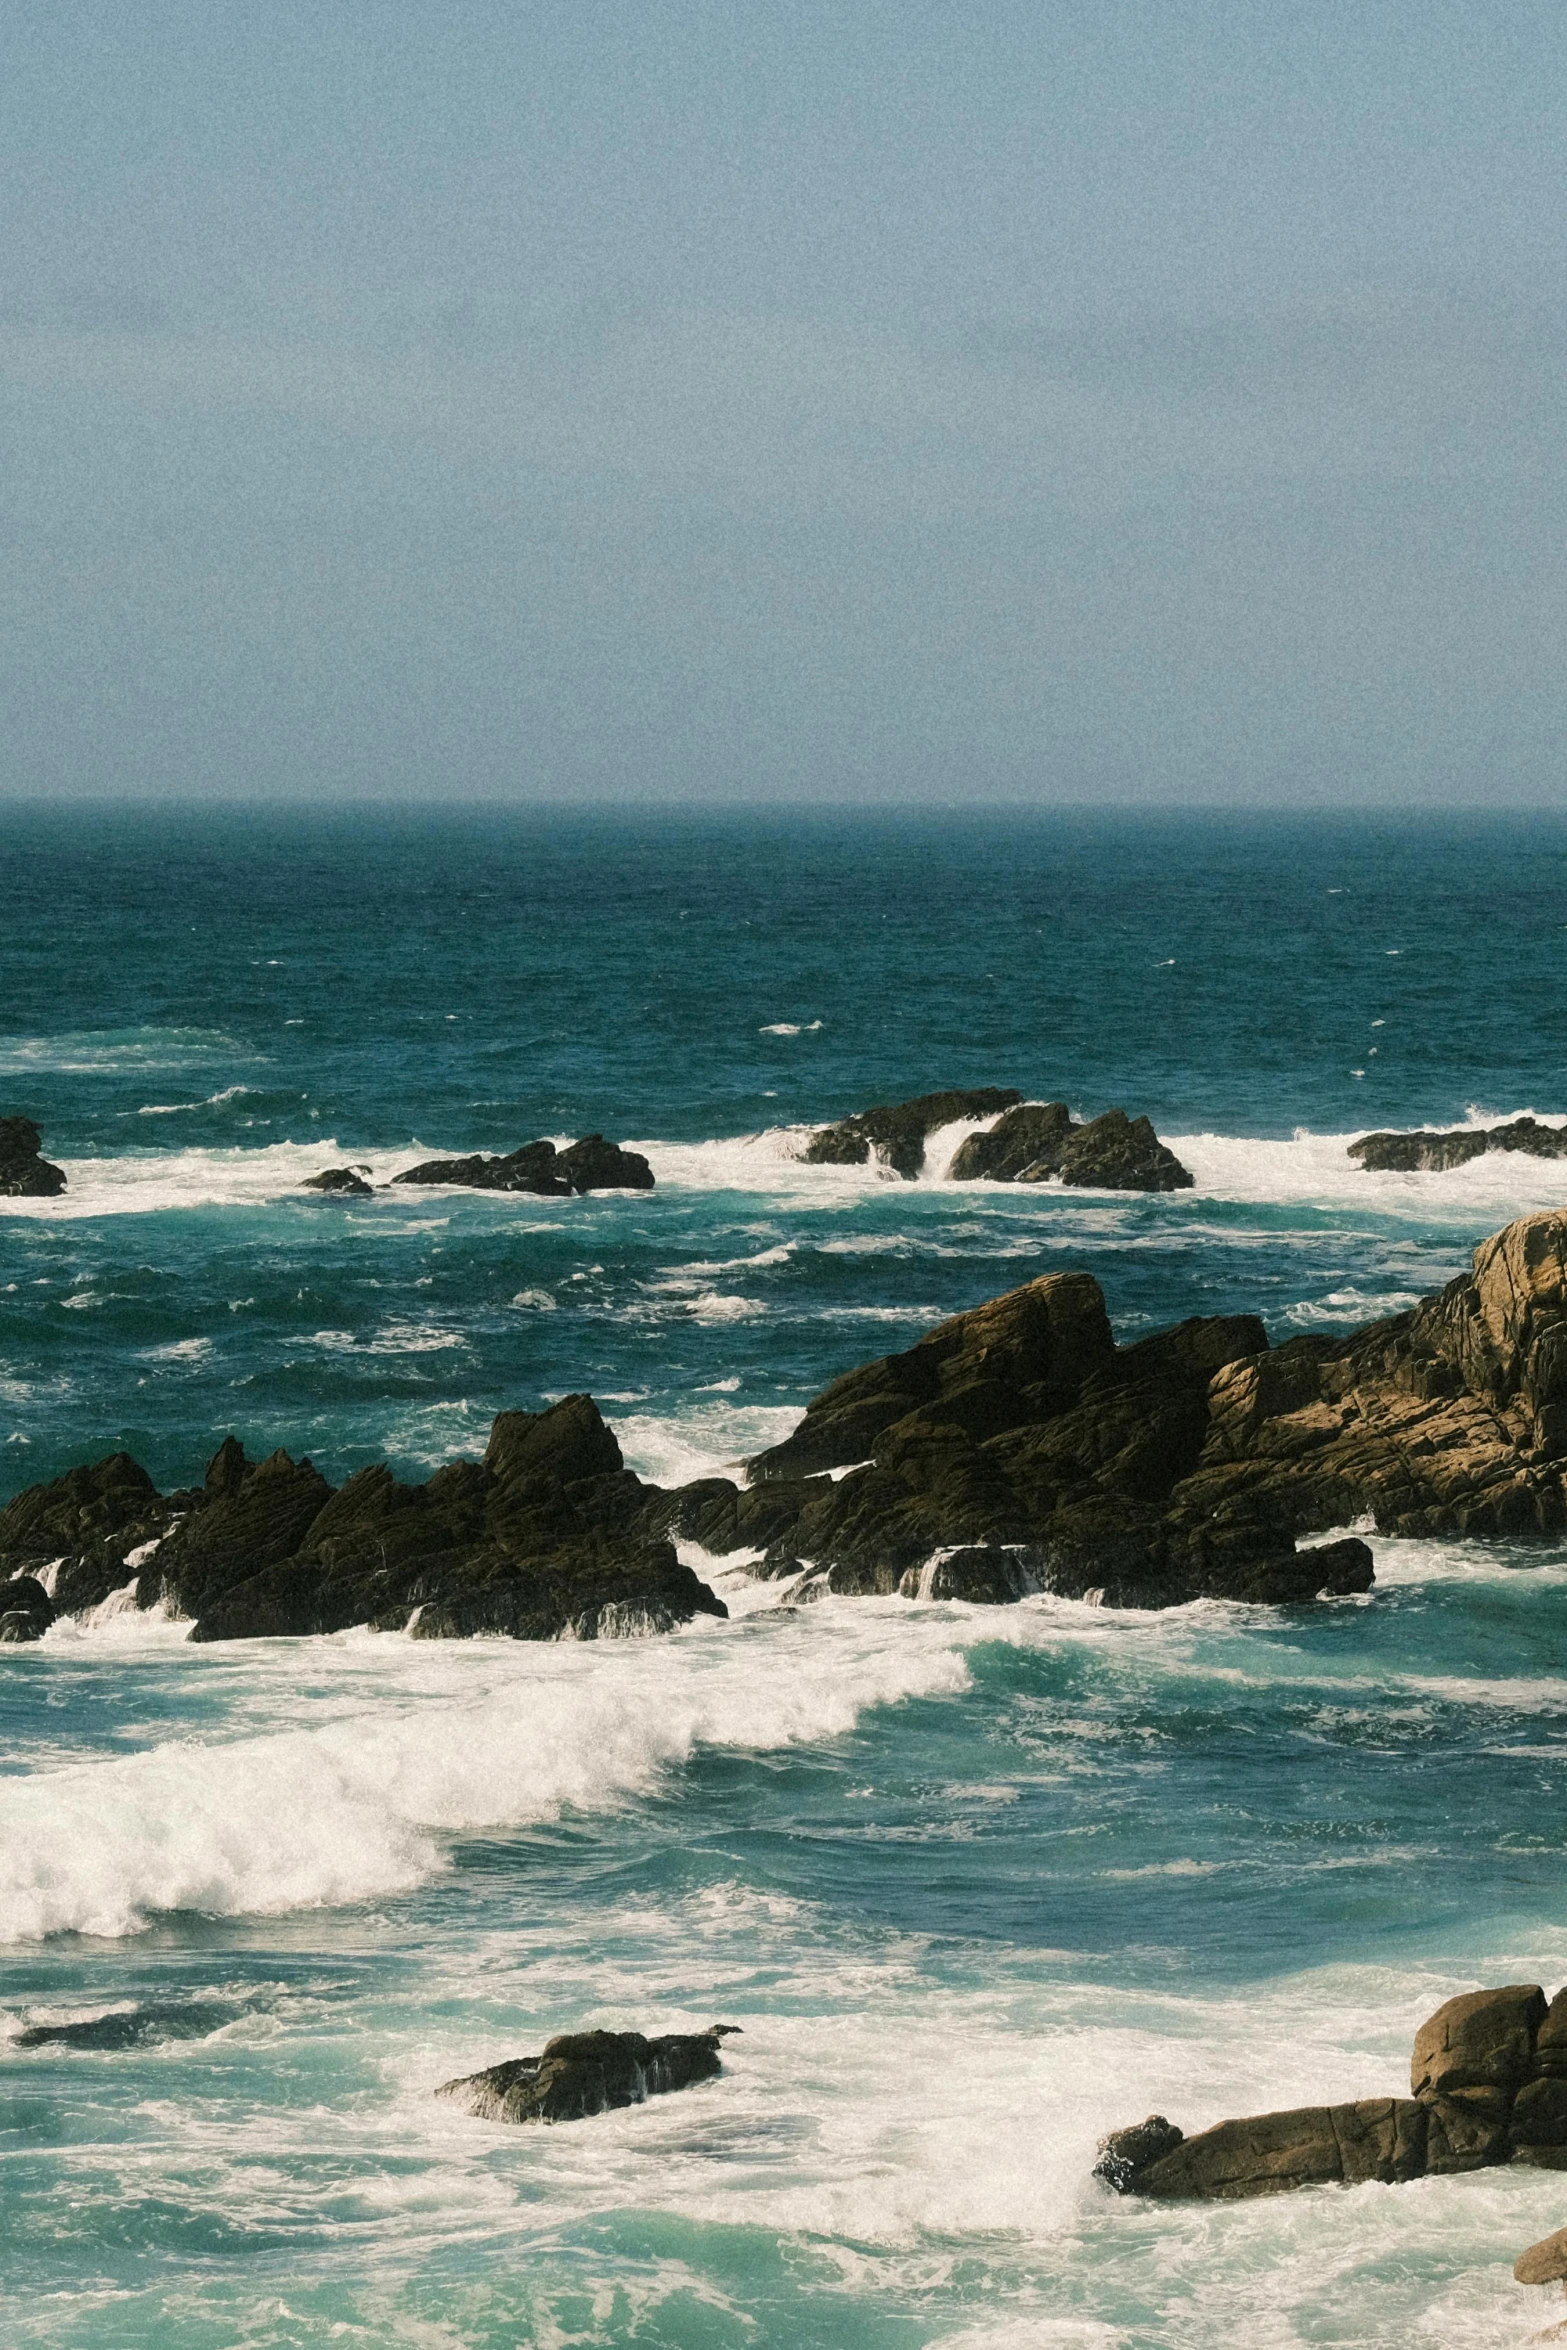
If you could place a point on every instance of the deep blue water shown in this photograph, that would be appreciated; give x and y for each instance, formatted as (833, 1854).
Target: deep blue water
(977, 1885)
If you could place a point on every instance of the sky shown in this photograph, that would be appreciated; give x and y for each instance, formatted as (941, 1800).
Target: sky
(1041, 401)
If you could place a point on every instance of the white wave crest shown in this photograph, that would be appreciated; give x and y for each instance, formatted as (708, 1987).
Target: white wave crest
(360, 1805)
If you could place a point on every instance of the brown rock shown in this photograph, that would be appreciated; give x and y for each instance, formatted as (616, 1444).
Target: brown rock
(1544, 2263)
(1309, 2146)
(1480, 2045)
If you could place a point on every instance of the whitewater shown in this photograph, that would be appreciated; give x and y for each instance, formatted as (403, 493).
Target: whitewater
(976, 1884)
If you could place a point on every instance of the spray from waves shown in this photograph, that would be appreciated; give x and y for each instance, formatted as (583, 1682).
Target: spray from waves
(358, 1807)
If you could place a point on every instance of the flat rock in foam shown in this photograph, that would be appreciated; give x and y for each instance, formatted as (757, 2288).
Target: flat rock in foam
(583, 2073)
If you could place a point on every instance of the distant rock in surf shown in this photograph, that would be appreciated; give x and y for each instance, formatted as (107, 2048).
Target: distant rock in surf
(1030, 1142)
(133, 2027)
(345, 1182)
(589, 1165)
(24, 1173)
(583, 2073)
(895, 1134)
(1489, 2085)
(1428, 1152)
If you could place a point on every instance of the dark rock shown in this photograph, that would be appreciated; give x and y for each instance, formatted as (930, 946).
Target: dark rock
(583, 2073)
(1404, 1154)
(80, 1529)
(596, 1165)
(589, 1165)
(24, 1174)
(1024, 1145)
(1118, 1153)
(984, 1573)
(346, 1181)
(26, 1610)
(895, 1133)
(1127, 2152)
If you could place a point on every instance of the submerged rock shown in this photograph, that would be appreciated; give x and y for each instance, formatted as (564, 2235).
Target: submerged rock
(347, 1181)
(1404, 1154)
(1483, 2088)
(24, 1172)
(589, 1165)
(895, 1134)
(583, 2073)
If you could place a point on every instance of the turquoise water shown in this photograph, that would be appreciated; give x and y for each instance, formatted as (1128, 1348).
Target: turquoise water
(978, 1885)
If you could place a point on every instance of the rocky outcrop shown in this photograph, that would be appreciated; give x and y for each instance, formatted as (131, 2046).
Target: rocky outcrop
(24, 1172)
(546, 1538)
(589, 1165)
(1407, 1154)
(583, 2073)
(1489, 2085)
(347, 1182)
(894, 1135)
(1020, 1441)
(1030, 1142)
(1041, 1141)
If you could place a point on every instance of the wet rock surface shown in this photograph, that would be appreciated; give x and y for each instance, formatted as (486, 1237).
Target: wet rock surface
(1486, 2090)
(24, 1172)
(589, 1165)
(583, 2073)
(1407, 1154)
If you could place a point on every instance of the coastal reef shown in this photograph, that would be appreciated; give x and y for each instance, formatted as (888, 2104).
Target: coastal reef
(1425, 1151)
(24, 1172)
(1016, 1448)
(583, 2073)
(1029, 1142)
(1488, 2085)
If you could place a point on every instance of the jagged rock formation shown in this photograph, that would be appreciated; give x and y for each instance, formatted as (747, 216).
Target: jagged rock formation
(1489, 2085)
(544, 1539)
(1016, 1448)
(1031, 1142)
(582, 2073)
(896, 1133)
(24, 1172)
(1041, 1140)
(346, 1181)
(589, 1165)
(26, 1610)
(1406, 1154)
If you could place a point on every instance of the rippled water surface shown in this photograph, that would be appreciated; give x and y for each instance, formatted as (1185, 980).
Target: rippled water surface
(977, 1884)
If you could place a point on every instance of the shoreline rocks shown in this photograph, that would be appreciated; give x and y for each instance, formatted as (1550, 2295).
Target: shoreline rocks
(1017, 1448)
(344, 1182)
(24, 1172)
(584, 2073)
(1030, 1142)
(1435, 1152)
(1488, 2078)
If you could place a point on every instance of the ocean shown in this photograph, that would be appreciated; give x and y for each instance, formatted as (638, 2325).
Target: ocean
(976, 1884)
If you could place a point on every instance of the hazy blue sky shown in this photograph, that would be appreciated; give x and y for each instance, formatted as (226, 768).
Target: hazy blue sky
(1051, 401)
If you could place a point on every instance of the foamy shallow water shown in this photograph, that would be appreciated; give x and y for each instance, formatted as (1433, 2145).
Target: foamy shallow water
(977, 1885)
